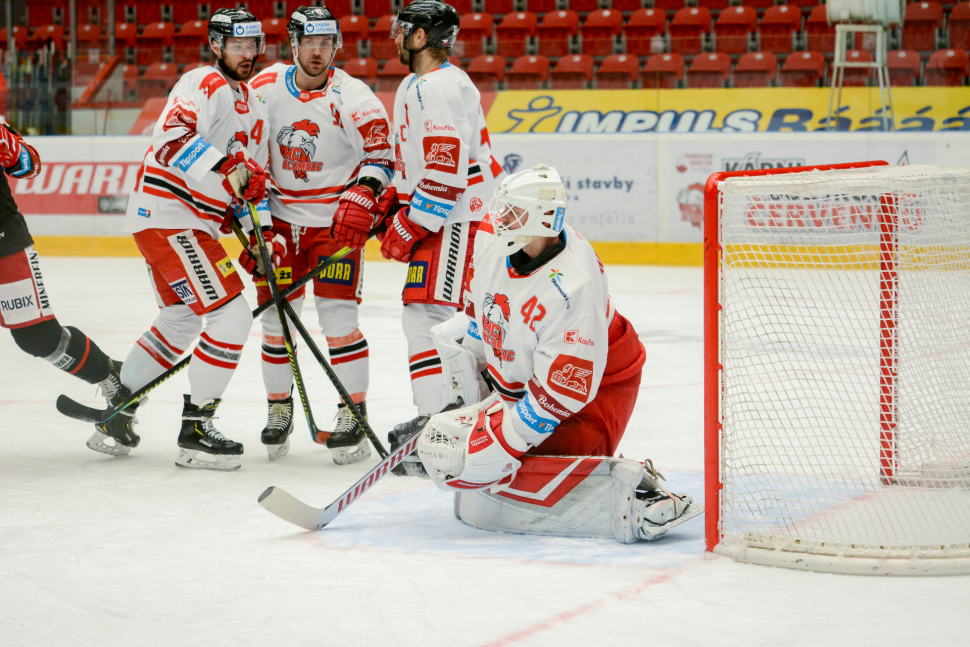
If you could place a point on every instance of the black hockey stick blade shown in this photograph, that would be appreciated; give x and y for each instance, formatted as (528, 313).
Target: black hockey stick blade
(78, 411)
(288, 508)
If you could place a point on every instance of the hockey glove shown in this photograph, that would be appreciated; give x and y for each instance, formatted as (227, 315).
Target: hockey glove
(18, 158)
(401, 237)
(250, 259)
(243, 178)
(354, 218)
(387, 207)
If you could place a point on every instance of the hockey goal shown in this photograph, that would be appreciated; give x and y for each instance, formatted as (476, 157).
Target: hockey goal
(837, 368)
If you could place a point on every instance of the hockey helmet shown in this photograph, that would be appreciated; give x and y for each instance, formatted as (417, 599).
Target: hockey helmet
(313, 21)
(438, 20)
(527, 205)
(235, 23)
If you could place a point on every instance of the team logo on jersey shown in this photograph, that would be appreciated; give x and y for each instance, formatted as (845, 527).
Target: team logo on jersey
(375, 134)
(495, 321)
(440, 154)
(237, 142)
(475, 204)
(572, 377)
(298, 146)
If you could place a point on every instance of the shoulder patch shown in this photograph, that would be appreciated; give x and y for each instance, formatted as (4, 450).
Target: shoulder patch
(264, 79)
(211, 83)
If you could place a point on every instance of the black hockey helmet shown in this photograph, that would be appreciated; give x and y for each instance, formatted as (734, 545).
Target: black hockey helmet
(313, 21)
(438, 20)
(235, 23)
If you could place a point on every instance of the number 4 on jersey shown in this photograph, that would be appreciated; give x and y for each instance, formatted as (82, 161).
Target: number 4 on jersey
(530, 305)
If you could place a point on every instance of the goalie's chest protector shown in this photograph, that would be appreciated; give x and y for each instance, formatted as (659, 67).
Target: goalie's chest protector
(526, 321)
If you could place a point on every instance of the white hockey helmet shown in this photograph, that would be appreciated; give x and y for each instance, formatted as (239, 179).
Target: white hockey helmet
(526, 206)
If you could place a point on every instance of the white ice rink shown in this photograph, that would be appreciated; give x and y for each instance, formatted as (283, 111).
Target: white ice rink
(108, 551)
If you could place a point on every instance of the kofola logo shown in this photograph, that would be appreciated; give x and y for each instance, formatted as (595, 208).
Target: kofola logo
(754, 162)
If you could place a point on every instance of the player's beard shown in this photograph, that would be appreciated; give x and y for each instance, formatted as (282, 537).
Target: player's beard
(314, 67)
(403, 54)
(236, 74)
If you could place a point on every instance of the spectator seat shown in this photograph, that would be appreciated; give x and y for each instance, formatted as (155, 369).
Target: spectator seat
(513, 33)
(947, 67)
(709, 71)
(755, 70)
(904, 67)
(556, 31)
(803, 70)
(474, 30)
(618, 71)
(732, 29)
(688, 28)
(486, 71)
(778, 28)
(921, 25)
(662, 71)
(528, 73)
(574, 72)
(600, 30)
(644, 26)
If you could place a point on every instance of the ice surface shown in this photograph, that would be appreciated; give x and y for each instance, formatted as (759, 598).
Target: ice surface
(108, 551)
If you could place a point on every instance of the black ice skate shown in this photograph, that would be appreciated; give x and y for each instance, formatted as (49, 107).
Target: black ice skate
(656, 510)
(279, 426)
(348, 440)
(120, 429)
(199, 436)
(410, 465)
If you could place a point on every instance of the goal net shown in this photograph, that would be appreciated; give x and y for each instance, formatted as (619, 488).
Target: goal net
(837, 308)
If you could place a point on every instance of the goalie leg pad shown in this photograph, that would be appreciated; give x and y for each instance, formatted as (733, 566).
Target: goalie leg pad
(570, 496)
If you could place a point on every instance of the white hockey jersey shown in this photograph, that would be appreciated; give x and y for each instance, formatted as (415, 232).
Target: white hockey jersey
(321, 142)
(545, 335)
(203, 120)
(443, 156)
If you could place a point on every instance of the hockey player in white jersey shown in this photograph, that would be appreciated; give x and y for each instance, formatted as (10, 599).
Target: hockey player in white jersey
(445, 174)
(208, 151)
(535, 456)
(330, 156)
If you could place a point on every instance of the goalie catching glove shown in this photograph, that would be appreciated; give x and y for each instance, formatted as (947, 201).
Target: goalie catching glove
(242, 177)
(472, 448)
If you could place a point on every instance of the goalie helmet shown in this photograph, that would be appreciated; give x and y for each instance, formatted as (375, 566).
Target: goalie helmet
(235, 23)
(438, 20)
(526, 206)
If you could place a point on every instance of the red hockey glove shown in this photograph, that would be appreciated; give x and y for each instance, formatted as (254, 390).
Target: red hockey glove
(354, 218)
(249, 258)
(401, 237)
(243, 178)
(386, 205)
(17, 157)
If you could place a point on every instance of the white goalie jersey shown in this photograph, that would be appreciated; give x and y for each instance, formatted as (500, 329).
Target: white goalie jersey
(321, 142)
(544, 336)
(203, 120)
(444, 163)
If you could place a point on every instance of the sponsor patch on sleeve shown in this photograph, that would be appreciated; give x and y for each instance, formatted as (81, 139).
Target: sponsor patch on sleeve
(375, 134)
(441, 154)
(572, 377)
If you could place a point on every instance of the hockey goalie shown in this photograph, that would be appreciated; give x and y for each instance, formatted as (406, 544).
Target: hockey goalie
(554, 371)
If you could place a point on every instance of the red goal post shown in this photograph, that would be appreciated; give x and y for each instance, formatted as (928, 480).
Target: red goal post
(826, 501)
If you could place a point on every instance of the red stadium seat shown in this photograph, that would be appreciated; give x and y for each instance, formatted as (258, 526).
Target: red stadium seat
(709, 71)
(129, 77)
(499, 7)
(958, 25)
(126, 34)
(904, 67)
(668, 5)
(191, 40)
(778, 29)
(688, 28)
(473, 30)
(462, 6)
(364, 69)
(377, 8)
(19, 37)
(46, 34)
(804, 4)
(389, 79)
(947, 67)
(44, 12)
(662, 71)
(732, 28)
(584, 6)
(154, 43)
(618, 71)
(88, 37)
(760, 4)
(555, 32)
(540, 7)
(921, 25)
(527, 73)
(276, 37)
(600, 30)
(381, 45)
(573, 72)
(803, 70)
(645, 25)
(158, 80)
(354, 29)
(194, 66)
(857, 76)
(486, 71)
(714, 5)
(628, 6)
(756, 70)
(513, 32)
(819, 34)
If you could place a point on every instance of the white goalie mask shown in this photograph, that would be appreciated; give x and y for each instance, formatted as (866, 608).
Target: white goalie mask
(526, 206)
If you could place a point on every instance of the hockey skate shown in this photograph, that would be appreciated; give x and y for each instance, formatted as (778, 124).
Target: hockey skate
(115, 436)
(279, 426)
(656, 510)
(348, 440)
(199, 436)
(410, 465)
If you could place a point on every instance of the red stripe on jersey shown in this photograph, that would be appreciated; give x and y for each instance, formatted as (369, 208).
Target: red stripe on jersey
(155, 355)
(263, 79)
(343, 360)
(208, 359)
(424, 355)
(515, 386)
(430, 371)
(496, 168)
(220, 344)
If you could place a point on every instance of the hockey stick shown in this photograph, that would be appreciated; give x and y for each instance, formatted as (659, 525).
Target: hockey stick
(73, 409)
(287, 338)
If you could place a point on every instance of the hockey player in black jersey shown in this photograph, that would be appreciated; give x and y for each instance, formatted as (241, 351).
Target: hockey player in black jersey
(25, 308)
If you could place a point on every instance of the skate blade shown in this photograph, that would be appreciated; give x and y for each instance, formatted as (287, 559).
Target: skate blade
(190, 459)
(655, 532)
(275, 452)
(353, 454)
(98, 444)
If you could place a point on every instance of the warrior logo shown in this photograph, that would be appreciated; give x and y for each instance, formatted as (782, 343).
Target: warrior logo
(495, 321)
(297, 147)
(237, 142)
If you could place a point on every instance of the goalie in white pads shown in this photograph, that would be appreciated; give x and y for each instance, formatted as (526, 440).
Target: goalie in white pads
(535, 455)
